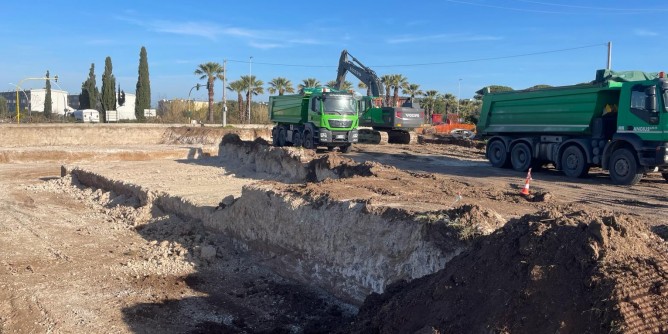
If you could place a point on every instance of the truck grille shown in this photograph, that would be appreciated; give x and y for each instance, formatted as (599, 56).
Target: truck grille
(340, 123)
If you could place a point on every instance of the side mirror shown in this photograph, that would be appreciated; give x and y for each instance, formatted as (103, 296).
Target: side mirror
(650, 103)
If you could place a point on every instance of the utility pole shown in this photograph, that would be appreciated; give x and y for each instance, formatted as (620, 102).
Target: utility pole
(609, 55)
(224, 94)
(250, 86)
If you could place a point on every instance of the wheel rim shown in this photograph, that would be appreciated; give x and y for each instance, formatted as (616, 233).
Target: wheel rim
(622, 167)
(496, 153)
(571, 162)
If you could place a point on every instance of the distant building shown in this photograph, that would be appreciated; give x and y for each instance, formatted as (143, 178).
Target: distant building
(33, 100)
(61, 102)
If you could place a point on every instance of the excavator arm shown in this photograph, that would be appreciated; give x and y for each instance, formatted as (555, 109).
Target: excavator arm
(363, 73)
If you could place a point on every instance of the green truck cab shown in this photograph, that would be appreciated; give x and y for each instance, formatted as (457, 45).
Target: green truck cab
(618, 122)
(319, 116)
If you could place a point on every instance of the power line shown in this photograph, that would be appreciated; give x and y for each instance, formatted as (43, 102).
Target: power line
(437, 63)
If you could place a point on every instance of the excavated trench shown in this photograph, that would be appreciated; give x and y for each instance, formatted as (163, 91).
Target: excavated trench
(349, 248)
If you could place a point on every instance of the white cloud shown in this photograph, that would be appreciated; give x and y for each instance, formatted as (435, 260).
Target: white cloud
(261, 39)
(442, 38)
(644, 32)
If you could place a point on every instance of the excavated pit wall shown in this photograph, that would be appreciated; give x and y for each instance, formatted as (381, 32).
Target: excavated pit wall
(338, 246)
(346, 247)
(349, 248)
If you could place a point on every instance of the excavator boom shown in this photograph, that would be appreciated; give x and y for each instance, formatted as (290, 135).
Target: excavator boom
(363, 73)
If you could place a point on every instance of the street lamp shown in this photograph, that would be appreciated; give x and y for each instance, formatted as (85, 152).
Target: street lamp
(18, 113)
(250, 86)
(191, 90)
(459, 93)
(26, 95)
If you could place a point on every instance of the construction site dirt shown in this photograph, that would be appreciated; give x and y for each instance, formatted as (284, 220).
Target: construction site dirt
(132, 228)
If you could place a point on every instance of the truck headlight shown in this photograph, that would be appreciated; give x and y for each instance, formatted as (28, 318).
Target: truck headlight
(323, 135)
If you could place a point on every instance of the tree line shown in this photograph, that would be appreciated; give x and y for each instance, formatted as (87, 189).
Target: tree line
(248, 86)
(106, 100)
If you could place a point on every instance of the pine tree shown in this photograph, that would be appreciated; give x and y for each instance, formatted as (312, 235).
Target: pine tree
(89, 93)
(143, 92)
(48, 108)
(108, 90)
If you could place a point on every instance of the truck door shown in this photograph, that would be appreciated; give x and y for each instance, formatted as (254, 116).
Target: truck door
(642, 116)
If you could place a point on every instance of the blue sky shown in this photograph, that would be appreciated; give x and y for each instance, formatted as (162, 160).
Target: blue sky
(452, 46)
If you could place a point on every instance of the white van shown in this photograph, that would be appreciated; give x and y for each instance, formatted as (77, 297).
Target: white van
(87, 116)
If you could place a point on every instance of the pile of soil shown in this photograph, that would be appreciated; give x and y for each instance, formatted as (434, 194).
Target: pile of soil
(563, 270)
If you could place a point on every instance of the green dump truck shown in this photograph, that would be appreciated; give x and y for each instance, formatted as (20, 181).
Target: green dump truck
(319, 116)
(618, 122)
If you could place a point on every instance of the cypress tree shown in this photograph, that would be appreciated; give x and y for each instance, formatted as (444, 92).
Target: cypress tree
(108, 90)
(89, 93)
(143, 92)
(48, 108)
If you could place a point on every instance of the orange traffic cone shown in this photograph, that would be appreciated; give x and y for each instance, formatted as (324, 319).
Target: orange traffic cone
(525, 190)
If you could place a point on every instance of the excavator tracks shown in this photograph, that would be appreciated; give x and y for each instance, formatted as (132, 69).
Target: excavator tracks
(369, 136)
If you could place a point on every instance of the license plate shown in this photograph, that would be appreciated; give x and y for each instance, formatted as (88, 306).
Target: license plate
(340, 137)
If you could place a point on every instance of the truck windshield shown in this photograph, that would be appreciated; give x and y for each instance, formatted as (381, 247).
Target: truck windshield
(665, 100)
(339, 105)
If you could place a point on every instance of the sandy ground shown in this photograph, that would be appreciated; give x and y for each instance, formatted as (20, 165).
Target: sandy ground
(81, 260)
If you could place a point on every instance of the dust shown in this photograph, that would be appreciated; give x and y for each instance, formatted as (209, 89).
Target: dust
(563, 270)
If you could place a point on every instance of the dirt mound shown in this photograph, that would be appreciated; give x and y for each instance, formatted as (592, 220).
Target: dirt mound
(208, 136)
(295, 164)
(564, 270)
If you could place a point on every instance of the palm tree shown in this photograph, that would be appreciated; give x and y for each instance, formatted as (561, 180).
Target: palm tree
(308, 82)
(398, 82)
(387, 82)
(346, 85)
(210, 71)
(238, 87)
(412, 90)
(280, 85)
(252, 86)
(362, 85)
(430, 97)
(449, 100)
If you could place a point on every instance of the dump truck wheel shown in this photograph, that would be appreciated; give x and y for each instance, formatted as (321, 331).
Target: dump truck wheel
(281, 137)
(308, 140)
(573, 162)
(274, 136)
(297, 139)
(497, 155)
(624, 167)
(346, 149)
(520, 157)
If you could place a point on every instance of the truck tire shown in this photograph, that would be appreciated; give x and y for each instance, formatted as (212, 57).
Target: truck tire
(346, 148)
(573, 162)
(624, 169)
(308, 140)
(274, 136)
(297, 139)
(520, 157)
(497, 155)
(282, 137)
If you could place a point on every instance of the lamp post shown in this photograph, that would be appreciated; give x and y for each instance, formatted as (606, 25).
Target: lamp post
(191, 90)
(224, 94)
(250, 86)
(18, 113)
(459, 92)
(24, 94)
